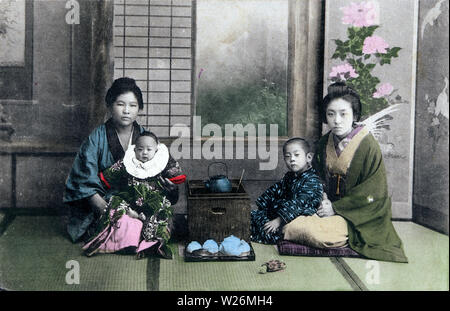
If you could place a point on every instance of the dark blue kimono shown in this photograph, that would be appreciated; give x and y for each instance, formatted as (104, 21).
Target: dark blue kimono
(98, 152)
(294, 195)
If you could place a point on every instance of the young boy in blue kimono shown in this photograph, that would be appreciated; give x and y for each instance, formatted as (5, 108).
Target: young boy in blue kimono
(298, 193)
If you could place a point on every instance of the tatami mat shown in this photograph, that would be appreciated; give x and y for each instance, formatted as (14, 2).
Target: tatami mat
(302, 273)
(427, 269)
(34, 251)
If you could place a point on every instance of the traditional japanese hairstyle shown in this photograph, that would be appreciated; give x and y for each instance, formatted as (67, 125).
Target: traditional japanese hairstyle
(121, 86)
(341, 90)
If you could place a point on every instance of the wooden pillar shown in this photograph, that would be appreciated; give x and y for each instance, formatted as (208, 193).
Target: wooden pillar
(102, 56)
(92, 63)
(306, 20)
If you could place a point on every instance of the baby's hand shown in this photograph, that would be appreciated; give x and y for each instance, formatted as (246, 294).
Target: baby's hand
(132, 213)
(142, 216)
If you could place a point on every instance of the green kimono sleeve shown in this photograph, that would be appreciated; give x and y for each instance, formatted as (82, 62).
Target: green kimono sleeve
(115, 177)
(83, 180)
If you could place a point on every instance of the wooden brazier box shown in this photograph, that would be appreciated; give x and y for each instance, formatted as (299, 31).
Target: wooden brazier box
(217, 215)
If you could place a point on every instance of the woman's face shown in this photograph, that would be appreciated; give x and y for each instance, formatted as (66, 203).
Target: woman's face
(124, 110)
(340, 117)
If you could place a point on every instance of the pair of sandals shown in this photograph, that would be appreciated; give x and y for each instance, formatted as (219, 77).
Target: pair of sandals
(272, 266)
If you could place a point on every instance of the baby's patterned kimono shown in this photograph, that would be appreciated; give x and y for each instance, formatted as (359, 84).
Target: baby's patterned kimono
(295, 195)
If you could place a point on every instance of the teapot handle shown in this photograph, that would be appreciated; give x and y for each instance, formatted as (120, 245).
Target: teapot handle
(226, 167)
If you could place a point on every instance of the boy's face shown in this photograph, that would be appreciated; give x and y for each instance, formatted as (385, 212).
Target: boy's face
(295, 158)
(145, 148)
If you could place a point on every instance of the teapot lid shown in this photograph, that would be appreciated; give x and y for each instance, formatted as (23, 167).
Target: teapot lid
(217, 176)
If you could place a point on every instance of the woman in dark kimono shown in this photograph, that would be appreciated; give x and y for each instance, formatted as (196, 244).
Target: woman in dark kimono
(107, 144)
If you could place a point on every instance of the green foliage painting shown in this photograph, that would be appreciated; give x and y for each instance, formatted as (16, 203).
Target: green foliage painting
(241, 64)
(252, 103)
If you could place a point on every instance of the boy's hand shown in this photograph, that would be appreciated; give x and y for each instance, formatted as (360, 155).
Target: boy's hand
(272, 225)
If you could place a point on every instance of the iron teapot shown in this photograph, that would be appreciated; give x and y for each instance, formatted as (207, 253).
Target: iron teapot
(218, 183)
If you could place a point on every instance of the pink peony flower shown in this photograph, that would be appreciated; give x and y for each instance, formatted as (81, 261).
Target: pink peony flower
(372, 13)
(340, 72)
(361, 14)
(374, 44)
(383, 90)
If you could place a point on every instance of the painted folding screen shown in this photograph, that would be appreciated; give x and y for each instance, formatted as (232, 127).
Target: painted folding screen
(431, 167)
(372, 46)
(241, 62)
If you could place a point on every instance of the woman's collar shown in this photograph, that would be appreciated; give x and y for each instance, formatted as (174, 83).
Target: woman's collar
(113, 140)
(355, 130)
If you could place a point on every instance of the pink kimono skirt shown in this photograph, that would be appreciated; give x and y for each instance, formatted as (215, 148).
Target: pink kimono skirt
(125, 233)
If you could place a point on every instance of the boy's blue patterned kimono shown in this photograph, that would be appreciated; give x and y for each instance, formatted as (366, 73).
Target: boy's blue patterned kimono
(294, 195)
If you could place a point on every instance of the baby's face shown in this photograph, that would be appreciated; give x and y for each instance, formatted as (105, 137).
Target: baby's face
(145, 148)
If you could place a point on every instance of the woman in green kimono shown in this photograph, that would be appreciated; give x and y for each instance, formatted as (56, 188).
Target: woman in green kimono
(106, 145)
(356, 209)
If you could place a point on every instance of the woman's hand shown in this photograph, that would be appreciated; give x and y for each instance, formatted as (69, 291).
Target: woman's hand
(326, 208)
(167, 184)
(272, 225)
(98, 204)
